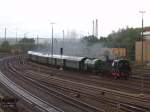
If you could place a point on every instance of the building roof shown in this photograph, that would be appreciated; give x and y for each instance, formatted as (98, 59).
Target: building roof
(73, 58)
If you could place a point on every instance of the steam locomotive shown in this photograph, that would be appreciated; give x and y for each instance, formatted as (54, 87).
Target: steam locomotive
(116, 68)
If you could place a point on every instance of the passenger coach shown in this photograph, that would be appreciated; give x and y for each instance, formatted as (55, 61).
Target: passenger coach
(116, 68)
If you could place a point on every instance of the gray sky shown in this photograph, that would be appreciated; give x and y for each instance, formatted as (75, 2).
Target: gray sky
(34, 16)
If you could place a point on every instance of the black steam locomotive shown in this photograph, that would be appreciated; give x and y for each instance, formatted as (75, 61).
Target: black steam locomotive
(116, 68)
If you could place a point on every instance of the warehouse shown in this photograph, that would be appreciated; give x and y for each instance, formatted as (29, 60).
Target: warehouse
(115, 52)
(146, 49)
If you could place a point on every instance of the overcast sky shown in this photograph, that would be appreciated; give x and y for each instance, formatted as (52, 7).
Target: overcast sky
(33, 17)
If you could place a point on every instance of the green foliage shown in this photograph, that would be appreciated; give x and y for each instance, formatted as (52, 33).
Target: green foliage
(26, 44)
(23, 45)
(5, 47)
(27, 41)
(90, 40)
(124, 38)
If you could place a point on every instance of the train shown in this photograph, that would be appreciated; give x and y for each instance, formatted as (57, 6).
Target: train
(116, 68)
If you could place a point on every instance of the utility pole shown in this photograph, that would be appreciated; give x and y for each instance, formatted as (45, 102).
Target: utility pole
(52, 39)
(5, 34)
(63, 38)
(16, 36)
(23, 41)
(37, 42)
(142, 77)
(142, 12)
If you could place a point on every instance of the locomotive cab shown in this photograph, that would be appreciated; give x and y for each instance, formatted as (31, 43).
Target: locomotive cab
(121, 68)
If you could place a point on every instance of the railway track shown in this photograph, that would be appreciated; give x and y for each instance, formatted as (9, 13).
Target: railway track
(36, 102)
(96, 92)
(75, 92)
(82, 106)
(132, 86)
(135, 108)
(110, 97)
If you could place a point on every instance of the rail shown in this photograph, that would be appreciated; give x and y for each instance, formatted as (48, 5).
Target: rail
(121, 105)
(28, 97)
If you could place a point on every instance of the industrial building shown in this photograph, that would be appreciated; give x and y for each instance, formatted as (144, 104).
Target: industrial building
(146, 49)
(115, 52)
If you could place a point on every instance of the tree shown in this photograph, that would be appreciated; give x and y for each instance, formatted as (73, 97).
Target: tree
(5, 47)
(124, 38)
(26, 44)
(90, 40)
